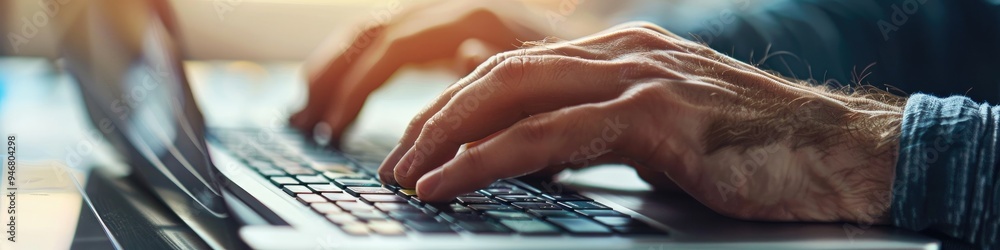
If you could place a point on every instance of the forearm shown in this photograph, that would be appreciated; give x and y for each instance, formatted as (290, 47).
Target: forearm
(947, 174)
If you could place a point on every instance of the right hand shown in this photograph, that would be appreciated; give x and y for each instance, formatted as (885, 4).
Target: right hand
(467, 33)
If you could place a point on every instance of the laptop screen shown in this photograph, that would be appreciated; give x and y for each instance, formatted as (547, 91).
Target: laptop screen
(136, 92)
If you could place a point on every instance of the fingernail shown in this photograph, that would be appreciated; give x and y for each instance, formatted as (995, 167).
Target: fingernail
(402, 169)
(429, 184)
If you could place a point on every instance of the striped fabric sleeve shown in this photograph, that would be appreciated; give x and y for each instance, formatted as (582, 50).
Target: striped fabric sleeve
(946, 178)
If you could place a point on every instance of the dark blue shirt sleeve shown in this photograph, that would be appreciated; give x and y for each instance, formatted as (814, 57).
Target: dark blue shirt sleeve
(947, 174)
(939, 47)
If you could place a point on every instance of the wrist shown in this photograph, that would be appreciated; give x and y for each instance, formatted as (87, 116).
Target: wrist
(860, 164)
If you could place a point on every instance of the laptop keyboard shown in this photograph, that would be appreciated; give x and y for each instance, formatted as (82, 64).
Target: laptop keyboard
(350, 196)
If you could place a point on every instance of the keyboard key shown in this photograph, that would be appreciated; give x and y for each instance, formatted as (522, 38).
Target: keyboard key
(295, 189)
(391, 187)
(520, 198)
(299, 171)
(341, 218)
(342, 176)
(333, 168)
(456, 217)
(325, 188)
(491, 207)
(408, 192)
(476, 200)
(501, 184)
(339, 197)
(592, 213)
(428, 226)
(369, 215)
(312, 179)
(583, 205)
(367, 190)
(580, 225)
(271, 172)
(530, 226)
(283, 180)
(402, 215)
(354, 206)
(553, 213)
(310, 198)
(615, 221)
(472, 194)
(403, 207)
(355, 228)
(536, 205)
(373, 198)
(569, 197)
(502, 191)
(508, 215)
(325, 208)
(482, 227)
(447, 208)
(386, 227)
(356, 183)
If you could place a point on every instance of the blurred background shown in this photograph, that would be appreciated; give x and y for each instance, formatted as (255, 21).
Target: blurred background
(290, 29)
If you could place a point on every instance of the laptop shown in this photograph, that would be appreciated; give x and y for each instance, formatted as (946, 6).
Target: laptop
(267, 188)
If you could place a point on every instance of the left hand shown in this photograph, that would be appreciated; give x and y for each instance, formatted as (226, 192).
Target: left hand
(742, 141)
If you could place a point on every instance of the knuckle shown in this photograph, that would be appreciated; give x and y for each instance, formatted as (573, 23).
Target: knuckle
(645, 67)
(642, 33)
(434, 123)
(475, 156)
(534, 131)
(644, 95)
(415, 126)
(643, 25)
(511, 71)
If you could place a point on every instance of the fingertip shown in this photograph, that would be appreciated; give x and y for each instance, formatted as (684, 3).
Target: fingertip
(401, 170)
(387, 167)
(428, 187)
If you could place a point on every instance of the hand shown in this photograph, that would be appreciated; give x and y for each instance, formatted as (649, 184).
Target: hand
(340, 82)
(742, 141)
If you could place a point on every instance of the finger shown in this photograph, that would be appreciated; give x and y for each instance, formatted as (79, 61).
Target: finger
(520, 87)
(431, 43)
(417, 123)
(571, 134)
